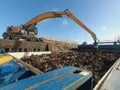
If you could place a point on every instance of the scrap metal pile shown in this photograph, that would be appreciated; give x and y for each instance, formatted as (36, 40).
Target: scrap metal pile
(98, 63)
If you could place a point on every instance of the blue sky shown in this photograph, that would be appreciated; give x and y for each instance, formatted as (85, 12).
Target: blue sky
(101, 16)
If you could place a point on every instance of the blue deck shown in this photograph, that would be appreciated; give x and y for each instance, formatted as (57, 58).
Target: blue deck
(13, 71)
(65, 78)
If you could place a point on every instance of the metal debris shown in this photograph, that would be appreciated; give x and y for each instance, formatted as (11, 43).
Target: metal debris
(98, 63)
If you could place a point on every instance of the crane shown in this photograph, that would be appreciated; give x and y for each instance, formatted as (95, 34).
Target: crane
(29, 30)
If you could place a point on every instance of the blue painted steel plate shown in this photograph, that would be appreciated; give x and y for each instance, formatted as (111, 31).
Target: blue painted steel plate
(68, 78)
(11, 72)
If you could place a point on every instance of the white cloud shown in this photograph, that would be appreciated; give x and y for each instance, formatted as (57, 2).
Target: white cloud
(77, 41)
(104, 28)
(65, 22)
(55, 9)
(111, 37)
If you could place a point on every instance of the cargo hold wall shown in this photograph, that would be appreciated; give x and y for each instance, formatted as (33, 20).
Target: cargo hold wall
(25, 46)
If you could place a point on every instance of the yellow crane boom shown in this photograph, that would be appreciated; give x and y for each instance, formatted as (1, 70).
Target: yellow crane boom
(41, 17)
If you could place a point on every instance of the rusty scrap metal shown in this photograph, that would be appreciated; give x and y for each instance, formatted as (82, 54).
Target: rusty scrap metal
(98, 63)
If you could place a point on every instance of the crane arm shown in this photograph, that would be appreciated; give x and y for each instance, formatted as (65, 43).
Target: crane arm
(70, 15)
(41, 17)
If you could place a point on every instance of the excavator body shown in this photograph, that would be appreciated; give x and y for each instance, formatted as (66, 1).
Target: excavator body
(13, 29)
(28, 30)
(16, 33)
